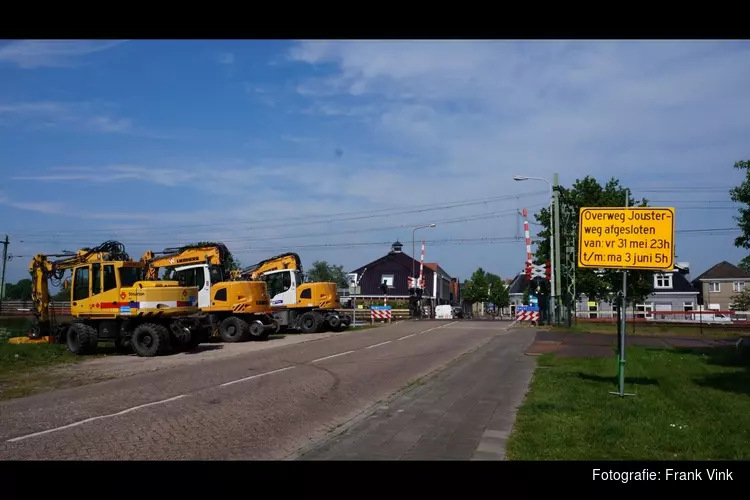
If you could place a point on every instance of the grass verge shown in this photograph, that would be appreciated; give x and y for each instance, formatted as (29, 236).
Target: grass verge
(689, 405)
(711, 332)
(24, 369)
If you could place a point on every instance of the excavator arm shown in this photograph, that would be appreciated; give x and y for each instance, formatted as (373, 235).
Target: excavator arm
(215, 254)
(43, 271)
(284, 261)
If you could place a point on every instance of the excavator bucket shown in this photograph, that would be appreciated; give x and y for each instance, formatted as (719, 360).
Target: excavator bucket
(29, 340)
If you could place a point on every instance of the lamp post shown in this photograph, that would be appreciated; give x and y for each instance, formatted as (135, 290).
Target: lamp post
(413, 260)
(551, 229)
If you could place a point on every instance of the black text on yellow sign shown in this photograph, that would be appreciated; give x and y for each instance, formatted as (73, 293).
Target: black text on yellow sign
(626, 238)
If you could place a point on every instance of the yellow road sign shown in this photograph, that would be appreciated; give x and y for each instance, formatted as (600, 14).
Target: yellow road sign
(626, 238)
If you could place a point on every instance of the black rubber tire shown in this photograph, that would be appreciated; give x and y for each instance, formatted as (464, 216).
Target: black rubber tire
(347, 320)
(233, 329)
(123, 346)
(258, 331)
(276, 327)
(309, 322)
(322, 324)
(150, 339)
(81, 339)
(334, 321)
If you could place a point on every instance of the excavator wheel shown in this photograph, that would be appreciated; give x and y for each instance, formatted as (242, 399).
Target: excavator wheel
(123, 346)
(334, 321)
(309, 322)
(322, 323)
(81, 338)
(233, 329)
(150, 340)
(258, 331)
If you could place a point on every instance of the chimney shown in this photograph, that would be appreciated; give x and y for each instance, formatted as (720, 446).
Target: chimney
(396, 247)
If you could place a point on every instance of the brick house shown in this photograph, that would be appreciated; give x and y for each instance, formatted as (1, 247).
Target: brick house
(718, 284)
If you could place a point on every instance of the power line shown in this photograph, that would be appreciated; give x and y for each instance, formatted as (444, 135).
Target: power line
(306, 220)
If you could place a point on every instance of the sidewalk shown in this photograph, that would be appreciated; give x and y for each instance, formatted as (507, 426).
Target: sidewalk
(465, 412)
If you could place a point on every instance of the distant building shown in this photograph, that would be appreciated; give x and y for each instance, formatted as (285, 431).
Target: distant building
(394, 269)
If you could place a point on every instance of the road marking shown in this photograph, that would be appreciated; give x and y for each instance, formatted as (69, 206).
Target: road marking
(376, 345)
(255, 376)
(92, 419)
(436, 327)
(331, 356)
(402, 338)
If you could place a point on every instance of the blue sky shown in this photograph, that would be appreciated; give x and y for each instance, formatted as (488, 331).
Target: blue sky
(333, 149)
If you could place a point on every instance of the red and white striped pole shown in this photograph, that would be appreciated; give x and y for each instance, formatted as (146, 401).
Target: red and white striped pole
(421, 266)
(529, 258)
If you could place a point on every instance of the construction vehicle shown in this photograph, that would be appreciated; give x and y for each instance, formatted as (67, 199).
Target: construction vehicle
(235, 310)
(308, 307)
(110, 301)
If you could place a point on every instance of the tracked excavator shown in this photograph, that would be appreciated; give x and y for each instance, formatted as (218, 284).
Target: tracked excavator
(110, 301)
(234, 310)
(308, 307)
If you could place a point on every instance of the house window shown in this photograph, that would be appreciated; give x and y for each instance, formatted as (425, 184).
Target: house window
(387, 279)
(688, 308)
(738, 286)
(663, 280)
(644, 311)
(714, 286)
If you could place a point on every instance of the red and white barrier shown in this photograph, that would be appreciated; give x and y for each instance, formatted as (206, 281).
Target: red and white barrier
(380, 314)
(527, 316)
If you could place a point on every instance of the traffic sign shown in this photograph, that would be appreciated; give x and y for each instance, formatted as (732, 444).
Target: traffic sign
(626, 238)
(531, 308)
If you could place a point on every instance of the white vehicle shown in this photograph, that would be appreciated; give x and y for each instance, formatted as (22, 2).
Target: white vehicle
(444, 312)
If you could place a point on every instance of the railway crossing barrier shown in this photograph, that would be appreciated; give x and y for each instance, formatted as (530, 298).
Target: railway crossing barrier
(380, 312)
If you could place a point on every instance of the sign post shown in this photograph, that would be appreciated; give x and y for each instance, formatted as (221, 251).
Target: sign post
(629, 238)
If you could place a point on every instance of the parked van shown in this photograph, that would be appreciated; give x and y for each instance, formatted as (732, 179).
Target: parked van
(444, 312)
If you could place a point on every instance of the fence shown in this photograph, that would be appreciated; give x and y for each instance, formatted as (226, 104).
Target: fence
(23, 308)
(705, 316)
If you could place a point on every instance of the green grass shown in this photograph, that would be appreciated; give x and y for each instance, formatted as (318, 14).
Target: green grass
(707, 331)
(24, 368)
(689, 405)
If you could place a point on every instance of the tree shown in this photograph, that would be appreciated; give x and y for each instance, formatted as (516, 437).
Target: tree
(499, 294)
(526, 299)
(18, 291)
(741, 301)
(322, 271)
(596, 285)
(741, 194)
(476, 288)
(744, 264)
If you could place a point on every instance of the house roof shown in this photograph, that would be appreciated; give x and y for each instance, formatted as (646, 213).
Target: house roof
(518, 284)
(723, 270)
(680, 284)
(436, 267)
(398, 257)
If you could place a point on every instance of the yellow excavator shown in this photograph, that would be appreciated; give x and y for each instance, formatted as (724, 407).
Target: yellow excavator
(235, 310)
(110, 301)
(308, 307)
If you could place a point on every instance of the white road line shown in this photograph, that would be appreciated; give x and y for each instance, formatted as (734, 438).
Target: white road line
(376, 345)
(402, 338)
(255, 376)
(437, 327)
(331, 356)
(92, 419)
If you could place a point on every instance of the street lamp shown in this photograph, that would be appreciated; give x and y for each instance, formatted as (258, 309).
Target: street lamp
(551, 229)
(413, 260)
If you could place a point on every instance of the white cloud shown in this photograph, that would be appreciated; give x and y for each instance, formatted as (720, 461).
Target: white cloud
(80, 115)
(52, 53)
(491, 109)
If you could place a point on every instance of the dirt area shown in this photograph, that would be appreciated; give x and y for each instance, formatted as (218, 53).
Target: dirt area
(123, 366)
(601, 345)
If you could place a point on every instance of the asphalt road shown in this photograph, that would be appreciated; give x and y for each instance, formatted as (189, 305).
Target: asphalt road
(263, 405)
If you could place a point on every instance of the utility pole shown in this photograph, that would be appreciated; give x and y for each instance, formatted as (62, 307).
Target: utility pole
(2, 280)
(558, 250)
